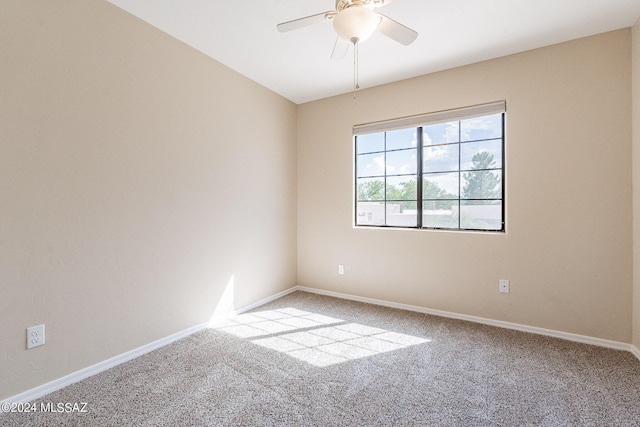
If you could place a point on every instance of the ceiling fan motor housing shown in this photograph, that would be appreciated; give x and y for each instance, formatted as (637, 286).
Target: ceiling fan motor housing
(343, 4)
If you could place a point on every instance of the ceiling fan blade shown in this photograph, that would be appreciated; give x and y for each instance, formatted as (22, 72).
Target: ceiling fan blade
(305, 22)
(340, 49)
(396, 31)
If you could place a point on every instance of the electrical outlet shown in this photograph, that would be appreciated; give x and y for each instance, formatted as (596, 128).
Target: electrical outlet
(35, 336)
(504, 286)
(340, 269)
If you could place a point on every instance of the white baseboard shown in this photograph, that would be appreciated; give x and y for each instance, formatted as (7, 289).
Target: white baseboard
(507, 325)
(246, 308)
(38, 392)
(265, 300)
(50, 387)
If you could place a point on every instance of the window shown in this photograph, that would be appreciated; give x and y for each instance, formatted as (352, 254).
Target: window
(443, 170)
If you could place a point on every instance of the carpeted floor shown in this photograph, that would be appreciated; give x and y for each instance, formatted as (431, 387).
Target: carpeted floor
(310, 360)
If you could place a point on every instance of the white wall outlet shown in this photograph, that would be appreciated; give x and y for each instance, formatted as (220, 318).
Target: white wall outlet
(340, 269)
(35, 336)
(504, 286)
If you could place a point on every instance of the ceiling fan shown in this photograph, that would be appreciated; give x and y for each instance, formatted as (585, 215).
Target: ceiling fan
(354, 21)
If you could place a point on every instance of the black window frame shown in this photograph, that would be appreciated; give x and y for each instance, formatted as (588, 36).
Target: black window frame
(458, 202)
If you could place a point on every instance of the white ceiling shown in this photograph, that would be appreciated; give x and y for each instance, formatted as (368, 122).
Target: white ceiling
(297, 65)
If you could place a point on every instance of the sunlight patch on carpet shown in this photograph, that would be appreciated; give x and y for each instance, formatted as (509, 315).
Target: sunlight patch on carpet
(314, 338)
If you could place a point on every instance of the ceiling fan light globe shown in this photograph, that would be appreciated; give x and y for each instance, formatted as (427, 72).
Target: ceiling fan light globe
(356, 23)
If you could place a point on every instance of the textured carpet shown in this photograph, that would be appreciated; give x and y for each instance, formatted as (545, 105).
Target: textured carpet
(306, 359)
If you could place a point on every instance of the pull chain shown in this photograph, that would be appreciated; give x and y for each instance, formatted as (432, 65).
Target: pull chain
(356, 86)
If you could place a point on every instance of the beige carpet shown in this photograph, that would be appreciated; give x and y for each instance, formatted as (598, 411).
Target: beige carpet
(308, 360)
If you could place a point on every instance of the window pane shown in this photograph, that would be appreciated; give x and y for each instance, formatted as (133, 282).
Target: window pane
(370, 143)
(370, 189)
(440, 214)
(441, 133)
(486, 127)
(402, 214)
(441, 158)
(370, 213)
(402, 162)
(440, 186)
(403, 138)
(402, 188)
(481, 155)
(370, 165)
(481, 216)
(482, 185)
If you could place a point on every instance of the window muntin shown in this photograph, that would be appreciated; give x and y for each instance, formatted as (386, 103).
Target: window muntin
(445, 175)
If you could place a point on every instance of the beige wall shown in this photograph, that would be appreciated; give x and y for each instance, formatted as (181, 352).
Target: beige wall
(568, 246)
(636, 182)
(138, 178)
